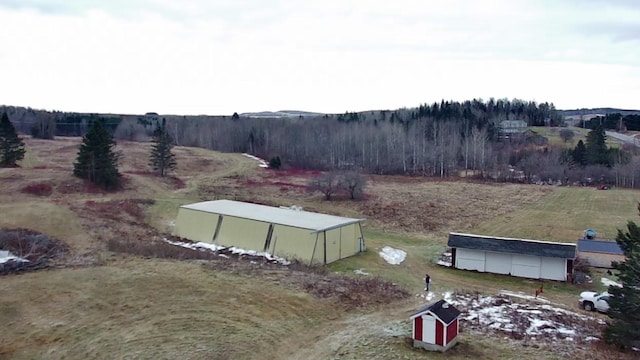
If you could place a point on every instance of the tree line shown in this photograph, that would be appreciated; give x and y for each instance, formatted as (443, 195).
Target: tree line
(445, 139)
(97, 160)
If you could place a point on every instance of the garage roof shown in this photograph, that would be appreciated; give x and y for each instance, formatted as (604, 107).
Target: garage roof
(283, 216)
(513, 246)
(601, 246)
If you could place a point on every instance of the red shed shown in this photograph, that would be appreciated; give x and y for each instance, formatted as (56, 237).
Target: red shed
(435, 327)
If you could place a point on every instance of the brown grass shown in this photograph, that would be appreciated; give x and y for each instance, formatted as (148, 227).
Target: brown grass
(143, 307)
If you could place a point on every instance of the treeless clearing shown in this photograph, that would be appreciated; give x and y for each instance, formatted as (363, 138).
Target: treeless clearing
(115, 306)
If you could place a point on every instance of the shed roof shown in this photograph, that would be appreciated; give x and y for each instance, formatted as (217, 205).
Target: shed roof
(513, 246)
(295, 218)
(442, 309)
(601, 246)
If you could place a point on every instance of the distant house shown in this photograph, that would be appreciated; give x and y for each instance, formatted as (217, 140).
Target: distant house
(436, 326)
(516, 257)
(599, 253)
(512, 127)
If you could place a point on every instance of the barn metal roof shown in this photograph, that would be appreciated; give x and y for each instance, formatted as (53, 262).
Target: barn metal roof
(601, 246)
(442, 309)
(513, 246)
(283, 216)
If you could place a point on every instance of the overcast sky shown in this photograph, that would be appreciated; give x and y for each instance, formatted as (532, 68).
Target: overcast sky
(217, 57)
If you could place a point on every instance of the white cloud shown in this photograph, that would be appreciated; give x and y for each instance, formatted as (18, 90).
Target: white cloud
(219, 57)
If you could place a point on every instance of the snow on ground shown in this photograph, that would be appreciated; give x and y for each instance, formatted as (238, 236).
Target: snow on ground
(428, 295)
(609, 282)
(213, 247)
(522, 295)
(261, 162)
(360, 272)
(523, 316)
(445, 259)
(6, 256)
(392, 256)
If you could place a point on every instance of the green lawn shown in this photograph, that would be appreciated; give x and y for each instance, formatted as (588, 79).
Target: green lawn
(565, 213)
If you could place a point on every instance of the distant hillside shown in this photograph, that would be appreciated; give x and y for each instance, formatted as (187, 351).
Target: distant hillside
(598, 111)
(280, 114)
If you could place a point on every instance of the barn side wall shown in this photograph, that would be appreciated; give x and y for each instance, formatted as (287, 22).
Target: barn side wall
(527, 266)
(195, 225)
(350, 244)
(601, 260)
(293, 243)
(242, 233)
(468, 259)
(553, 268)
(333, 244)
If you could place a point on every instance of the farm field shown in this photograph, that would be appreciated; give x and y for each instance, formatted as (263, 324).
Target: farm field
(97, 303)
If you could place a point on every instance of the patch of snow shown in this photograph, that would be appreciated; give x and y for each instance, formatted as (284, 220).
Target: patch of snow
(427, 296)
(261, 162)
(393, 256)
(499, 313)
(448, 296)
(591, 338)
(233, 250)
(608, 282)
(6, 256)
(522, 295)
(360, 272)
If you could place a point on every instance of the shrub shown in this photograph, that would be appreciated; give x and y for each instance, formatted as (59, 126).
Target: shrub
(38, 189)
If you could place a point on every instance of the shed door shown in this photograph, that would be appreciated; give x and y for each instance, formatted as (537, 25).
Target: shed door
(525, 266)
(332, 245)
(553, 269)
(467, 259)
(428, 329)
(498, 263)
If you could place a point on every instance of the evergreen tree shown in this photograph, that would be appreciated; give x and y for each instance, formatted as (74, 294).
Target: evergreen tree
(162, 159)
(579, 154)
(97, 160)
(11, 146)
(275, 163)
(624, 328)
(597, 152)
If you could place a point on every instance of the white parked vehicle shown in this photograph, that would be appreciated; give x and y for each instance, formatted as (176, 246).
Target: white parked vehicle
(592, 301)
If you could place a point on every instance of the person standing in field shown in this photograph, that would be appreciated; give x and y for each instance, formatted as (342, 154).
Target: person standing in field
(427, 280)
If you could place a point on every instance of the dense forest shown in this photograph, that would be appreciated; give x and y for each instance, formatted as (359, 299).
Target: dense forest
(445, 139)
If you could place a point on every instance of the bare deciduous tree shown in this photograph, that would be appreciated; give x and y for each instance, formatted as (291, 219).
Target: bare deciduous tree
(327, 184)
(354, 183)
(566, 135)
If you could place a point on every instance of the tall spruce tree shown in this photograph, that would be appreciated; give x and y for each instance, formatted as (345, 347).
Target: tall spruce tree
(11, 146)
(97, 159)
(597, 152)
(579, 154)
(624, 328)
(162, 159)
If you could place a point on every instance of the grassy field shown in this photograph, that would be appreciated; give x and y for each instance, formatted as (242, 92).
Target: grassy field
(111, 305)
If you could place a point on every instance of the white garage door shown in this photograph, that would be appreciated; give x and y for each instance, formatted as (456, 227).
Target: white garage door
(498, 263)
(470, 259)
(553, 269)
(525, 266)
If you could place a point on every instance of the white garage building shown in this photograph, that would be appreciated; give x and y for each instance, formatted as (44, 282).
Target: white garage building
(516, 257)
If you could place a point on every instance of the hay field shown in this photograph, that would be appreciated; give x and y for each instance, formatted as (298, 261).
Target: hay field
(112, 305)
